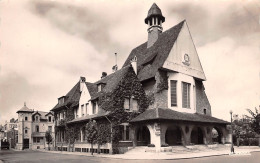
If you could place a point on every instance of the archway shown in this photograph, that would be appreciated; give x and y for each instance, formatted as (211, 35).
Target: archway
(173, 136)
(216, 135)
(197, 136)
(143, 136)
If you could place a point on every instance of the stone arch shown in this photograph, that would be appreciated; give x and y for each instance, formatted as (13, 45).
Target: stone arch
(217, 135)
(197, 135)
(173, 135)
(143, 135)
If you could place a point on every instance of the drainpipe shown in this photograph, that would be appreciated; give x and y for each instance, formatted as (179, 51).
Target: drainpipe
(111, 130)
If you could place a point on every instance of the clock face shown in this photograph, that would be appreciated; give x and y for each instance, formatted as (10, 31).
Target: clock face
(186, 58)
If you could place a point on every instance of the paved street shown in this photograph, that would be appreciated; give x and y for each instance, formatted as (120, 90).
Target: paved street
(37, 156)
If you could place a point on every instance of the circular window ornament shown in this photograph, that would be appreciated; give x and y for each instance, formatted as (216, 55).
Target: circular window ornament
(186, 60)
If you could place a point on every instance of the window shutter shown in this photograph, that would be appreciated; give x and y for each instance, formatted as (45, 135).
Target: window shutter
(173, 93)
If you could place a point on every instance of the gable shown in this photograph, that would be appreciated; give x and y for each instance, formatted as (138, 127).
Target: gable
(184, 47)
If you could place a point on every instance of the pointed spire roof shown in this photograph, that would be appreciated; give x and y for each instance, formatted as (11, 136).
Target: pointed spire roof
(154, 11)
(25, 109)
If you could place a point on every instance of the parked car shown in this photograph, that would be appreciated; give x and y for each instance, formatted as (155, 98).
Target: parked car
(5, 145)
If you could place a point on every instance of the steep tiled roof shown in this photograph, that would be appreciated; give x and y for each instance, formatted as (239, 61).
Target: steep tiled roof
(25, 109)
(72, 97)
(160, 50)
(110, 81)
(169, 114)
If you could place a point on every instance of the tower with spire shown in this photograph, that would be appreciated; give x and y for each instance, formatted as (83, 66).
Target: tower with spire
(154, 20)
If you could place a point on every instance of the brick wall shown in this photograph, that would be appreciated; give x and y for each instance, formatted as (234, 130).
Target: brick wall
(201, 99)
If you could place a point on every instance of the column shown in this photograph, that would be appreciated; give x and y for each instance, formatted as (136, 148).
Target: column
(133, 135)
(186, 131)
(81, 135)
(155, 134)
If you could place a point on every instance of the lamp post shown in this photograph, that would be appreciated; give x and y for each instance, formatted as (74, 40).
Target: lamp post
(232, 147)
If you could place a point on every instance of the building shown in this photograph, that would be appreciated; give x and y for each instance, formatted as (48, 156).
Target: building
(157, 98)
(11, 132)
(32, 126)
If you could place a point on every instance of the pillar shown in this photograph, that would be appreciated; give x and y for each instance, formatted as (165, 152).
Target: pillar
(186, 134)
(155, 133)
(133, 135)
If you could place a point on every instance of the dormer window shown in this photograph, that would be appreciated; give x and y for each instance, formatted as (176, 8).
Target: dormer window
(100, 86)
(61, 100)
(49, 118)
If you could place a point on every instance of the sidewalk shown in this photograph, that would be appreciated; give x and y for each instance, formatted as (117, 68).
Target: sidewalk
(168, 155)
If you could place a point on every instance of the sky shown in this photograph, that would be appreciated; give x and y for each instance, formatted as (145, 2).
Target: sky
(45, 46)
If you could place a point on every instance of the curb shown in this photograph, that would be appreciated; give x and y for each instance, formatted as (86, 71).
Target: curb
(177, 158)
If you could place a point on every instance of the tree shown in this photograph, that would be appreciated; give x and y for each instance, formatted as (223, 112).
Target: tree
(91, 133)
(103, 135)
(255, 120)
(48, 138)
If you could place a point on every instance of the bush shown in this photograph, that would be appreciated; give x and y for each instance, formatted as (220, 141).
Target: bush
(165, 145)
(151, 145)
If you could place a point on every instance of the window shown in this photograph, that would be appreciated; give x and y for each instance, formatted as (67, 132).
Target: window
(99, 87)
(49, 118)
(86, 108)
(36, 118)
(36, 128)
(61, 100)
(125, 133)
(50, 128)
(134, 104)
(130, 104)
(37, 139)
(173, 93)
(127, 104)
(94, 107)
(25, 118)
(25, 131)
(82, 110)
(205, 111)
(185, 95)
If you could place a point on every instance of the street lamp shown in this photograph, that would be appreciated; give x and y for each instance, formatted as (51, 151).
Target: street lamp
(232, 147)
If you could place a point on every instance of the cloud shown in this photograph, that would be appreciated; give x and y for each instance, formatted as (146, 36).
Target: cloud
(75, 20)
(14, 90)
(213, 20)
(233, 76)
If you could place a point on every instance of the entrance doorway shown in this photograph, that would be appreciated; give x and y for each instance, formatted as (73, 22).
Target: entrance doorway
(25, 143)
(197, 136)
(143, 136)
(173, 136)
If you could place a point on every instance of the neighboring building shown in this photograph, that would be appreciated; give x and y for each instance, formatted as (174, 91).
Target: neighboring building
(32, 126)
(11, 132)
(158, 97)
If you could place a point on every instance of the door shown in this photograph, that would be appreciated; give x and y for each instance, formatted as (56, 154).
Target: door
(25, 143)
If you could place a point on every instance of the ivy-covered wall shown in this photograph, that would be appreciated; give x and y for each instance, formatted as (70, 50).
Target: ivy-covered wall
(128, 87)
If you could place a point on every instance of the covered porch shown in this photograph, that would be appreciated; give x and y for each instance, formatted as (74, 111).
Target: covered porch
(166, 127)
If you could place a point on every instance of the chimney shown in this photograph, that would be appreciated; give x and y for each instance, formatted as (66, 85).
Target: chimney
(104, 74)
(134, 64)
(154, 21)
(114, 68)
(82, 81)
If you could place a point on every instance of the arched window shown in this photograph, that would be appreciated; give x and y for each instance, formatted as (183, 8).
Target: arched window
(36, 128)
